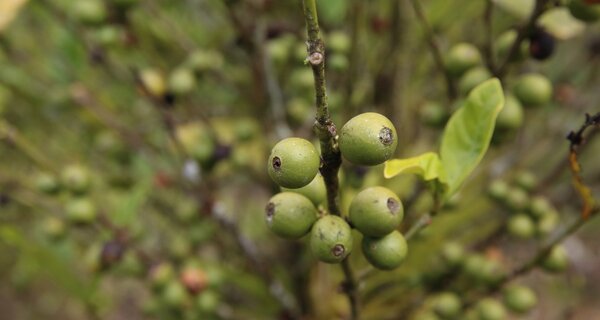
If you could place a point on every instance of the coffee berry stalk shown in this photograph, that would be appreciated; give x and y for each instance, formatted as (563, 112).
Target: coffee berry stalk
(368, 139)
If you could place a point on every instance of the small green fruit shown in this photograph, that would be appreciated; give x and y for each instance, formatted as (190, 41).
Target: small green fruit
(583, 11)
(505, 42)
(447, 305)
(315, 191)
(293, 163)
(472, 78)
(511, 117)
(481, 269)
(331, 239)
(174, 295)
(519, 299)
(547, 223)
(203, 60)
(153, 81)
(368, 139)
(54, 228)
(90, 11)
(197, 141)
(490, 309)
(338, 42)
(76, 179)
(461, 58)
(385, 253)
(526, 180)
(540, 206)
(81, 211)
(182, 81)
(521, 226)
(533, 90)
(556, 260)
(498, 190)
(433, 114)
(47, 183)
(453, 253)
(517, 199)
(376, 211)
(161, 274)
(290, 215)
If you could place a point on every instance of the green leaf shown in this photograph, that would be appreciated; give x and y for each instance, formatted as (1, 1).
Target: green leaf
(427, 165)
(561, 24)
(469, 131)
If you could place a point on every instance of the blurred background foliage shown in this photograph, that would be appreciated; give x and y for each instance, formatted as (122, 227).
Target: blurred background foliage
(134, 137)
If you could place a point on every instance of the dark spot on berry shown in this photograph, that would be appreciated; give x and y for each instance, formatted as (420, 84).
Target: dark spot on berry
(338, 250)
(386, 136)
(270, 211)
(541, 44)
(276, 163)
(393, 205)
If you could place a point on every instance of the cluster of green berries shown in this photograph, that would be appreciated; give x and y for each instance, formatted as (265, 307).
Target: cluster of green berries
(376, 212)
(530, 215)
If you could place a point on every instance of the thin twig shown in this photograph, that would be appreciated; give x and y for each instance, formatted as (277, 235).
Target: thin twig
(435, 50)
(488, 45)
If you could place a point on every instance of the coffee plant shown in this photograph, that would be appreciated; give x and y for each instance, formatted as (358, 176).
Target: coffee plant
(429, 160)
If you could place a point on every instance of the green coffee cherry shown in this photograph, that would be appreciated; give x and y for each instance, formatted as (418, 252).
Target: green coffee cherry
(556, 260)
(540, 206)
(208, 301)
(490, 309)
(161, 274)
(54, 228)
(433, 114)
(76, 179)
(461, 58)
(517, 199)
(331, 239)
(203, 60)
(498, 190)
(481, 269)
(293, 163)
(519, 299)
(153, 81)
(315, 191)
(368, 139)
(81, 211)
(182, 81)
(453, 253)
(47, 183)
(533, 90)
(521, 226)
(108, 35)
(385, 253)
(526, 180)
(447, 305)
(547, 223)
(290, 215)
(90, 11)
(583, 11)
(472, 78)
(511, 117)
(174, 295)
(197, 141)
(504, 43)
(376, 211)
(338, 42)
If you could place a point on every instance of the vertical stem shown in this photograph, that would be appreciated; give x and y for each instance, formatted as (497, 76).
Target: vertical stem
(327, 133)
(435, 49)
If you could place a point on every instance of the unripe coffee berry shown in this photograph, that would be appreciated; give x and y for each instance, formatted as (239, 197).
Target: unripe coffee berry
(293, 163)
(76, 179)
(368, 139)
(490, 309)
(315, 191)
(533, 90)
(385, 253)
(331, 239)
(447, 305)
(290, 215)
(376, 211)
(453, 253)
(519, 299)
(462, 57)
(556, 260)
(81, 211)
(521, 226)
